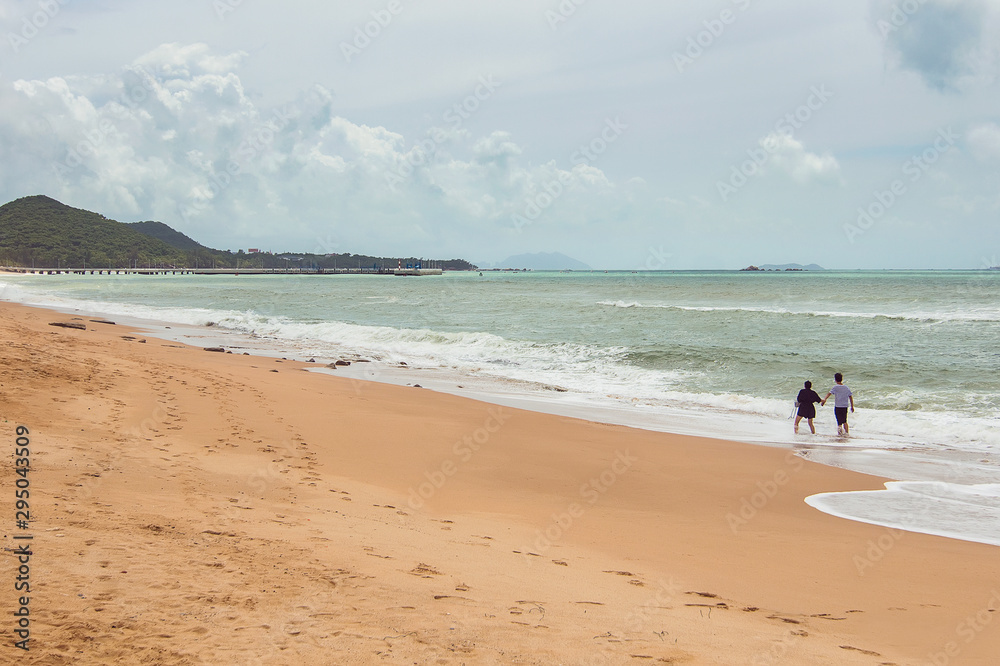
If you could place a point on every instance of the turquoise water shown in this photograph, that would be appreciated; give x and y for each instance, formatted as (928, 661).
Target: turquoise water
(906, 341)
(714, 353)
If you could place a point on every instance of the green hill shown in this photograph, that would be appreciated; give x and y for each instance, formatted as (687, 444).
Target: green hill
(42, 231)
(168, 235)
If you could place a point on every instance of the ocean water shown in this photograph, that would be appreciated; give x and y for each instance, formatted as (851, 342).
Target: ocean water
(714, 353)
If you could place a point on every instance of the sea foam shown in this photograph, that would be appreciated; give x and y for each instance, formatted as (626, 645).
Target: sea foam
(968, 512)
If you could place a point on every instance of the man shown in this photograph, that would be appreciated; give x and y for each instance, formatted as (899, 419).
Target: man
(842, 399)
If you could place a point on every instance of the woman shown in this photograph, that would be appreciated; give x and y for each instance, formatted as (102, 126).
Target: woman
(807, 408)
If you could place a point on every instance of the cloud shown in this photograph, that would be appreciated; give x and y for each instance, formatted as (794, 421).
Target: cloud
(185, 60)
(951, 44)
(984, 142)
(175, 137)
(789, 156)
(496, 148)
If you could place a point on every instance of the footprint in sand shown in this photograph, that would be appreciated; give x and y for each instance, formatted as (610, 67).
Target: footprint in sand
(827, 616)
(425, 571)
(787, 620)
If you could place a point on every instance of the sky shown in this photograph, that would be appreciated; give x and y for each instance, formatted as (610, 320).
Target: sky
(647, 135)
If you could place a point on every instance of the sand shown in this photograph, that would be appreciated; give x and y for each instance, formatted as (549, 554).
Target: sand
(194, 507)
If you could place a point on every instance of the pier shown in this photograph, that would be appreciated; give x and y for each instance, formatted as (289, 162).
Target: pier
(417, 271)
(222, 271)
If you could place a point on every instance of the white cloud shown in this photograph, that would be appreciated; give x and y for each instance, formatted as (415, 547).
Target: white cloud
(791, 157)
(174, 136)
(984, 141)
(184, 60)
(498, 147)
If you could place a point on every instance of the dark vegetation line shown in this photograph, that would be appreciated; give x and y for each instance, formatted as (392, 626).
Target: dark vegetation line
(40, 231)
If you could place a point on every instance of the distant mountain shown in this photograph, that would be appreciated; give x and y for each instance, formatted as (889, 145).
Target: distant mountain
(543, 261)
(168, 235)
(784, 267)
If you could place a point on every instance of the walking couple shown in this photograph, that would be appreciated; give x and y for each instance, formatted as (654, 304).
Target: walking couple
(842, 396)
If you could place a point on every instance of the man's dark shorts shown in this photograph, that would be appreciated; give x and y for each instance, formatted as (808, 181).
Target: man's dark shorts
(841, 414)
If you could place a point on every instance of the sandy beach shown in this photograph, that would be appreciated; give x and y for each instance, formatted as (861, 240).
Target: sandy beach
(196, 507)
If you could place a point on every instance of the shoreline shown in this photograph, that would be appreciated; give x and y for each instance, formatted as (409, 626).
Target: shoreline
(490, 388)
(743, 426)
(706, 412)
(909, 462)
(287, 496)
